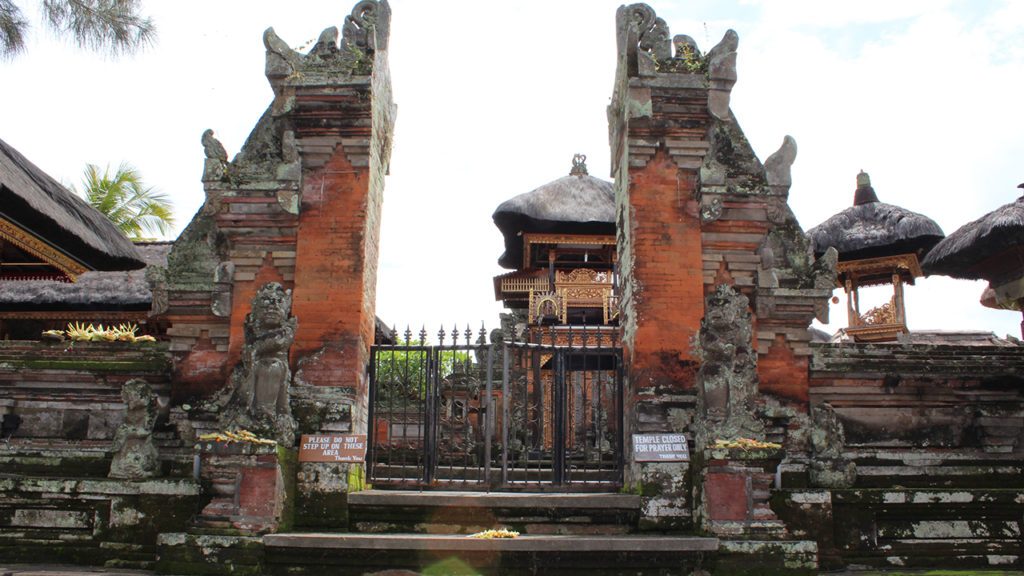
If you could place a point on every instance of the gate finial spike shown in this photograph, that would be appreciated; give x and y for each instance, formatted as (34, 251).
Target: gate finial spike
(394, 334)
(469, 334)
(408, 335)
(483, 333)
(440, 336)
(423, 335)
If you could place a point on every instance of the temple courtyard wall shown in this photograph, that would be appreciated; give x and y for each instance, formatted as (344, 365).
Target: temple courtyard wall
(933, 434)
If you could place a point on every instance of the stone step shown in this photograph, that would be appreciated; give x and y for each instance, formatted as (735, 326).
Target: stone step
(319, 553)
(448, 512)
(493, 499)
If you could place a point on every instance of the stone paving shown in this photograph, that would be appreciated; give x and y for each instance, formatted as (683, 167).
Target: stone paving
(65, 570)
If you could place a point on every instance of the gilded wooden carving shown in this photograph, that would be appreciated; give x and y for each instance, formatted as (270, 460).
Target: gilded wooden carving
(41, 250)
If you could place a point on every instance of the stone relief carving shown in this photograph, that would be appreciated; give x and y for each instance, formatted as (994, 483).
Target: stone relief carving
(156, 278)
(727, 379)
(365, 31)
(135, 455)
(260, 382)
(223, 284)
(711, 210)
(367, 27)
(787, 259)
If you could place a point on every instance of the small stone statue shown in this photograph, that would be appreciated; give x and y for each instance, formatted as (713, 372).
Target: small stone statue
(260, 382)
(216, 157)
(135, 456)
(829, 469)
(727, 379)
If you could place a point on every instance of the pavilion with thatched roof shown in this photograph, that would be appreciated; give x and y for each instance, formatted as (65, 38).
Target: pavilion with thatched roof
(560, 244)
(58, 253)
(878, 244)
(48, 231)
(989, 248)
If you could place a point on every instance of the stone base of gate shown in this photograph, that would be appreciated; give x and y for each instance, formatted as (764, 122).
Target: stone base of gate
(665, 495)
(322, 494)
(733, 490)
(251, 485)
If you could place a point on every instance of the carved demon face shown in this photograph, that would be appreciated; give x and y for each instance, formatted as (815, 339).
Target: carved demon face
(271, 306)
(135, 393)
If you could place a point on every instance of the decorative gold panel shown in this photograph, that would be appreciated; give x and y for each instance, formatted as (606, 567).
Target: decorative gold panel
(40, 249)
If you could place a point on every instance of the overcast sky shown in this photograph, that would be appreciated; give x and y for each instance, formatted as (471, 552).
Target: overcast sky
(494, 98)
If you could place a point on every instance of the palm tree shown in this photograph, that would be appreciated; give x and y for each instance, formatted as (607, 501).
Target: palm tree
(108, 26)
(128, 203)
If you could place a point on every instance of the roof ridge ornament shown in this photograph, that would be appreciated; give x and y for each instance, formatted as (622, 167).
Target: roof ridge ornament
(864, 194)
(579, 165)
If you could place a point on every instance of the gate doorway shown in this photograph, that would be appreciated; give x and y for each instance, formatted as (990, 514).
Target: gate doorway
(545, 414)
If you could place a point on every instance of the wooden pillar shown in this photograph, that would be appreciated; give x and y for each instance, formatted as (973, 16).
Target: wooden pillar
(851, 306)
(901, 312)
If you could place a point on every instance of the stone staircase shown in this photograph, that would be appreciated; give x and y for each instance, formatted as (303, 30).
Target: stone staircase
(428, 533)
(412, 533)
(457, 554)
(390, 511)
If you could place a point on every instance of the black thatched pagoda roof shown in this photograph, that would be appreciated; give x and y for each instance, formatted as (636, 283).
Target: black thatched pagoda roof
(961, 253)
(575, 204)
(872, 229)
(94, 290)
(38, 204)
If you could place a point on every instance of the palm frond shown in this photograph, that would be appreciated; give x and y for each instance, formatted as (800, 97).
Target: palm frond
(127, 202)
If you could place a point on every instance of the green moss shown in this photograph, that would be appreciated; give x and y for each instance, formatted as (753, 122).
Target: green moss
(153, 365)
(287, 459)
(76, 466)
(356, 478)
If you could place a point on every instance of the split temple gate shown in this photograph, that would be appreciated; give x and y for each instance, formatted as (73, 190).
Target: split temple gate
(669, 310)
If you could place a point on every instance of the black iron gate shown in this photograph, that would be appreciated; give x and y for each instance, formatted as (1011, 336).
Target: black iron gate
(541, 414)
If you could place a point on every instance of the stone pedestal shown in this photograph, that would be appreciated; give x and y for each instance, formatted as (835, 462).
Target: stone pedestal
(252, 486)
(734, 487)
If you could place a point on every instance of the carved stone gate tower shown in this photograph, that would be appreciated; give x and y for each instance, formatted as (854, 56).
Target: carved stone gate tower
(697, 211)
(299, 206)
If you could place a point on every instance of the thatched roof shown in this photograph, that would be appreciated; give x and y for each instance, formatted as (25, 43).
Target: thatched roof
(37, 203)
(871, 229)
(97, 290)
(575, 204)
(988, 236)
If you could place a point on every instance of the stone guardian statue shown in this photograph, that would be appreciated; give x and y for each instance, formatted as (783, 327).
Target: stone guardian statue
(727, 379)
(259, 400)
(135, 455)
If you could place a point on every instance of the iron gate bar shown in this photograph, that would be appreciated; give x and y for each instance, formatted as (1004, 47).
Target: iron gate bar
(488, 416)
(558, 413)
(505, 416)
(429, 417)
